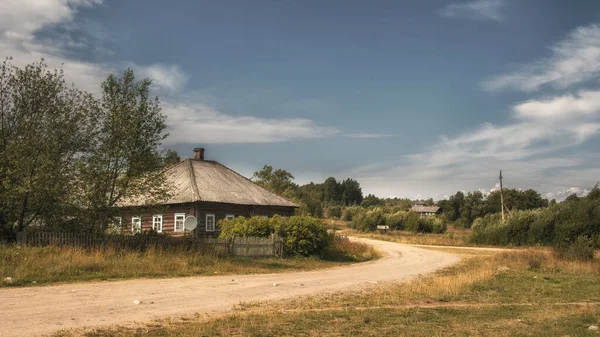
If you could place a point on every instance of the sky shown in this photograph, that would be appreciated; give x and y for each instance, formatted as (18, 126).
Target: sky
(411, 98)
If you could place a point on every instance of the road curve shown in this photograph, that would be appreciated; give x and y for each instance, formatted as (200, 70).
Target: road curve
(47, 309)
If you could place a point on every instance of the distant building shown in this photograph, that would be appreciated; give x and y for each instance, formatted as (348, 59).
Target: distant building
(426, 210)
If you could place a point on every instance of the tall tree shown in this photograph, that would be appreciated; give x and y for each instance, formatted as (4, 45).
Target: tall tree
(332, 191)
(278, 181)
(125, 162)
(45, 126)
(351, 189)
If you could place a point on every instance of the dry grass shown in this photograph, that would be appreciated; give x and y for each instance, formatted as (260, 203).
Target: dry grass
(446, 239)
(71, 264)
(343, 249)
(528, 293)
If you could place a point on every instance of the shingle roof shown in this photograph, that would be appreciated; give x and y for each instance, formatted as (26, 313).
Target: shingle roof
(425, 209)
(207, 180)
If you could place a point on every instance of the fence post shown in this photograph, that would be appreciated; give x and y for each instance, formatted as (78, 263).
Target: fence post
(228, 249)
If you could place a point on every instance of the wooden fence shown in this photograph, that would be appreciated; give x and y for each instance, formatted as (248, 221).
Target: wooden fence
(239, 246)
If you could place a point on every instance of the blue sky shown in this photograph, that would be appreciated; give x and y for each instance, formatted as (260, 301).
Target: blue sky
(411, 98)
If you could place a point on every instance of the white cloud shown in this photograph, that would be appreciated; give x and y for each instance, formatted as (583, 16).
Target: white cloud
(200, 123)
(189, 122)
(526, 148)
(484, 10)
(574, 60)
(166, 77)
(585, 104)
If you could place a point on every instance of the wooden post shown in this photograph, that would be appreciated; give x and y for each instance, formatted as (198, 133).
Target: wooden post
(501, 197)
(227, 246)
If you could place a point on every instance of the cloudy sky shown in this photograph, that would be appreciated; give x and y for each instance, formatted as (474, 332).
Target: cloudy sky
(411, 98)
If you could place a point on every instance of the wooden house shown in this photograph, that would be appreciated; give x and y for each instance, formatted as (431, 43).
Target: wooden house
(426, 210)
(207, 190)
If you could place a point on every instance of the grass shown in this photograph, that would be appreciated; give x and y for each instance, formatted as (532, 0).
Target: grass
(520, 293)
(450, 238)
(44, 265)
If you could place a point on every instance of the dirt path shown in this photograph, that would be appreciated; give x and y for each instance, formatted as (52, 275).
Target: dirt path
(44, 310)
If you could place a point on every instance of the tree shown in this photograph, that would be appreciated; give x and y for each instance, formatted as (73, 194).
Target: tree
(279, 181)
(125, 162)
(371, 200)
(332, 191)
(171, 157)
(429, 202)
(45, 126)
(352, 192)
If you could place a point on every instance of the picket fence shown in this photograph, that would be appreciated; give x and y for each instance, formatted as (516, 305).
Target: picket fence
(238, 246)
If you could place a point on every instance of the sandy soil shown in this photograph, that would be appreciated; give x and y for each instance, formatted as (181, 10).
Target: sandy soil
(44, 310)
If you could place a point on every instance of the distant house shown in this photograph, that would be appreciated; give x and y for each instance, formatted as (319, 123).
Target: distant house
(426, 210)
(207, 190)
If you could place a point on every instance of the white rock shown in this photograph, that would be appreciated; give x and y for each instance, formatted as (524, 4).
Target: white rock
(33, 282)
(9, 280)
(137, 302)
(503, 269)
(275, 284)
(593, 327)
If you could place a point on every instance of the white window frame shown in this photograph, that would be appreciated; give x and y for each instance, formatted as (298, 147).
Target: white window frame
(135, 219)
(229, 216)
(209, 215)
(179, 216)
(157, 223)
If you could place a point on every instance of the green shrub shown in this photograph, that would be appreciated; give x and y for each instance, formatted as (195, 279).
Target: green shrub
(559, 225)
(301, 235)
(334, 212)
(351, 212)
(580, 249)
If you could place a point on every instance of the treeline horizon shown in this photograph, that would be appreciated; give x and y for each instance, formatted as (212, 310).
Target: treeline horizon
(332, 195)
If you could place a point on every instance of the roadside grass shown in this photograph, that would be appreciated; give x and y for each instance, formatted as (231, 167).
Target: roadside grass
(519, 293)
(453, 238)
(43, 265)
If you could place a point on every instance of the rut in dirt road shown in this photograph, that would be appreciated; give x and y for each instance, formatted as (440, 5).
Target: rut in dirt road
(44, 310)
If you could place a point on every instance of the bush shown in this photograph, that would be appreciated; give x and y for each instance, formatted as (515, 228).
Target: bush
(334, 212)
(581, 249)
(351, 212)
(301, 235)
(560, 225)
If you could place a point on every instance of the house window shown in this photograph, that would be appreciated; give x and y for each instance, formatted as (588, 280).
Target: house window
(157, 222)
(210, 222)
(136, 224)
(229, 216)
(179, 219)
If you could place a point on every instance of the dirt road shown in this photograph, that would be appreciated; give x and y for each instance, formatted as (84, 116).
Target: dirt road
(44, 310)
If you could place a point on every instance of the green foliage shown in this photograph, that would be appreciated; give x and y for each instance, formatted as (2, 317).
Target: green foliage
(350, 212)
(334, 212)
(171, 157)
(562, 225)
(278, 181)
(125, 161)
(582, 248)
(367, 221)
(302, 235)
(370, 200)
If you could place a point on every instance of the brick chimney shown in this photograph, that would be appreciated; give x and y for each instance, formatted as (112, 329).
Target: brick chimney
(199, 153)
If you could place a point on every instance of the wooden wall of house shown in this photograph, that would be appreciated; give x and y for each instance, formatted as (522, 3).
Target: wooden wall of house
(168, 213)
(221, 210)
(199, 210)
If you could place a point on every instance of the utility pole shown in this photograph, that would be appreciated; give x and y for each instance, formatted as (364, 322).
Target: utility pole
(501, 197)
